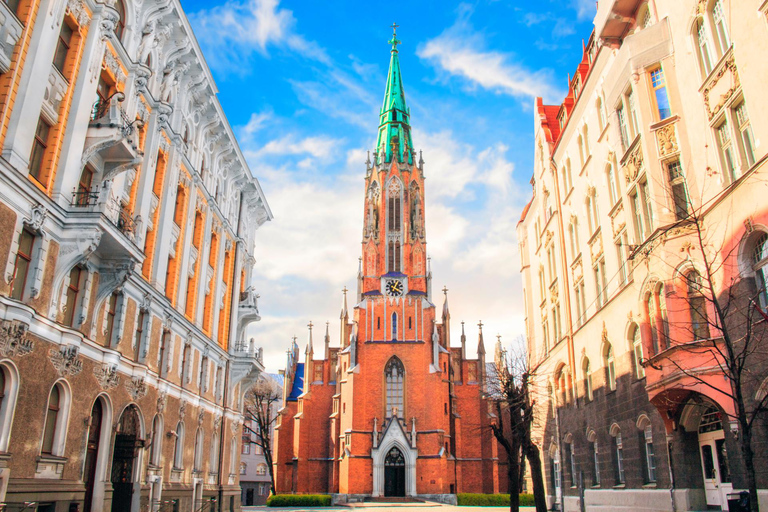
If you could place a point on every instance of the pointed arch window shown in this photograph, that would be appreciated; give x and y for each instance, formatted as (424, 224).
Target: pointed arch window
(156, 450)
(394, 326)
(697, 306)
(178, 449)
(199, 438)
(637, 352)
(610, 366)
(394, 374)
(393, 206)
(588, 394)
(760, 266)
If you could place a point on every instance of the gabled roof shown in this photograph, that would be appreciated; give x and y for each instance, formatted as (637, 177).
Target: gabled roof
(298, 383)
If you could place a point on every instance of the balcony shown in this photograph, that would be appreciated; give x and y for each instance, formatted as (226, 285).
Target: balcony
(248, 310)
(246, 363)
(10, 31)
(112, 137)
(613, 19)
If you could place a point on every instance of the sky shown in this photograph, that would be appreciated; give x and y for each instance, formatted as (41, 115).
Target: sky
(302, 83)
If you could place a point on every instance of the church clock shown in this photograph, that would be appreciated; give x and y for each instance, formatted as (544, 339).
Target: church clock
(394, 287)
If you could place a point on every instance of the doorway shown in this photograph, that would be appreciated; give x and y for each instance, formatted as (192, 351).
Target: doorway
(714, 459)
(92, 453)
(127, 446)
(394, 473)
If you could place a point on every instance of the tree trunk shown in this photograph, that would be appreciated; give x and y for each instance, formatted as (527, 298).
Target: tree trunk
(539, 496)
(513, 472)
(745, 439)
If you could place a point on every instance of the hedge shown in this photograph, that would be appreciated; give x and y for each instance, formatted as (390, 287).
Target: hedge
(491, 500)
(299, 500)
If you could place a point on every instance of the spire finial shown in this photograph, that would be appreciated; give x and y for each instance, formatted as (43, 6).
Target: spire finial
(480, 325)
(310, 325)
(394, 41)
(445, 291)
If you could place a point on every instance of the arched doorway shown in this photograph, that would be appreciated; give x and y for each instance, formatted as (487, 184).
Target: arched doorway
(127, 446)
(714, 457)
(394, 473)
(92, 453)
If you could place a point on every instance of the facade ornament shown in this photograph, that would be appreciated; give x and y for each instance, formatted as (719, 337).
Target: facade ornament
(137, 388)
(13, 340)
(217, 422)
(146, 303)
(235, 426)
(200, 418)
(749, 225)
(106, 375)
(37, 217)
(735, 84)
(667, 140)
(182, 408)
(112, 64)
(108, 24)
(162, 398)
(633, 164)
(66, 360)
(77, 9)
(604, 335)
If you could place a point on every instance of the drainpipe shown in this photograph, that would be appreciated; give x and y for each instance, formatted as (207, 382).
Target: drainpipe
(222, 444)
(671, 474)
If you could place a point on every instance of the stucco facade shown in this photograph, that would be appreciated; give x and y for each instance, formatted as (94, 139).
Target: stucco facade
(661, 125)
(125, 261)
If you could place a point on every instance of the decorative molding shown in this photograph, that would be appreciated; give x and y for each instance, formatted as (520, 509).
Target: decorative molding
(107, 377)
(633, 164)
(200, 417)
(162, 399)
(729, 64)
(182, 408)
(13, 340)
(78, 11)
(666, 137)
(66, 360)
(137, 388)
(235, 426)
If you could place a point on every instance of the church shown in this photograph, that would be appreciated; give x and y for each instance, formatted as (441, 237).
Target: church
(394, 410)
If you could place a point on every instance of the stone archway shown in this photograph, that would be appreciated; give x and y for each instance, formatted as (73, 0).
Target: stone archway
(125, 461)
(394, 473)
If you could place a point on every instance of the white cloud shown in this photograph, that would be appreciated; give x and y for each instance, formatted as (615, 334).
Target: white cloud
(320, 146)
(586, 9)
(232, 32)
(256, 123)
(459, 52)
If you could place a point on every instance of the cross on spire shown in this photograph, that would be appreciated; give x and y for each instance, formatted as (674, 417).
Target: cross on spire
(310, 325)
(344, 291)
(445, 290)
(394, 41)
(480, 325)
(498, 337)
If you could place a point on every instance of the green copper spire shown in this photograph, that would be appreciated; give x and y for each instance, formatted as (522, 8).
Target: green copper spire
(394, 130)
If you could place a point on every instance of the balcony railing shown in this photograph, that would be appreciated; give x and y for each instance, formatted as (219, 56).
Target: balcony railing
(85, 197)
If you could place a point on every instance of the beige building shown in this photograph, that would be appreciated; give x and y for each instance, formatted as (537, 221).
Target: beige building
(662, 124)
(127, 231)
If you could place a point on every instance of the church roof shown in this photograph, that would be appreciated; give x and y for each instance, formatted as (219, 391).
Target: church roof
(298, 383)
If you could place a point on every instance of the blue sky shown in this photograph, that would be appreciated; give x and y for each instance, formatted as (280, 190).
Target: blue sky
(302, 82)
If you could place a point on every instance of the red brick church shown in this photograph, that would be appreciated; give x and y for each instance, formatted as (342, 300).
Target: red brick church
(394, 410)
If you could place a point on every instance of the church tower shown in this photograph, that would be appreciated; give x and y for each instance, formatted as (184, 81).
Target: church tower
(394, 410)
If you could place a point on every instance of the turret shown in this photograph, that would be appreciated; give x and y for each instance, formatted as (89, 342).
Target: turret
(327, 352)
(308, 354)
(344, 318)
(463, 343)
(481, 353)
(446, 320)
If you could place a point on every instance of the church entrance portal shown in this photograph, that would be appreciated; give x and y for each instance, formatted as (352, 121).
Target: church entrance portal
(394, 473)
(127, 445)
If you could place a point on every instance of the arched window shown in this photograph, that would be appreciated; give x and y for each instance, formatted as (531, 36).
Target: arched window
(705, 53)
(157, 441)
(9, 387)
(760, 266)
(214, 467)
(600, 114)
(646, 441)
(720, 27)
(637, 352)
(394, 373)
(54, 432)
(261, 469)
(650, 310)
(582, 156)
(178, 449)
(610, 366)
(561, 381)
(73, 296)
(592, 216)
(594, 454)
(199, 438)
(613, 190)
(394, 326)
(393, 206)
(618, 453)
(586, 368)
(120, 25)
(233, 456)
(697, 306)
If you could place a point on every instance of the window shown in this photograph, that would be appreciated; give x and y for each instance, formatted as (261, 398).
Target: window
(62, 46)
(581, 302)
(76, 276)
(111, 313)
(215, 442)
(705, 55)
(659, 86)
(394, 374)
(120, 26)
(637, 353)
(186, 363)
(646, 20)
(726, 150)
(13, 5)
(138, 337)
(568, 175)
(595, 456)
(394, 326)
(697, 306)
(601, 284)
(571, 462)
(164, 353)
(582, 155)
(588, 392)
(23, 264)
(721, 29)
(556, 323)
(261, 469)
(623, 128)
(650, 458)
(573, 234)
(600, 114)
(84, 194)
(618, 447)
(178, 210)
(551, 265)
(587, 152)
(621, 258)
(745, 133)
(178, 449)
(637, 216)
(38, 149)
(678, 188)
(610, 367)
(760, 266)
(542, 285)
(545, 331)
(243, 468)
(198, 460)
(157, 440)
(54, 431)
(652, 313)
(592, 215)
(613, 191)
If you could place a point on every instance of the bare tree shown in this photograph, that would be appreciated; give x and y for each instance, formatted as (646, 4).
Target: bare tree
(716, 326)
(512, 394)
(262, 401)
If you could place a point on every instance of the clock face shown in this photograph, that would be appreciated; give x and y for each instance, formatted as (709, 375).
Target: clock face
(394, 288)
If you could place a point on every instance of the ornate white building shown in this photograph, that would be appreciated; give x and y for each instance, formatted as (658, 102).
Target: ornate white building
(127, 230)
